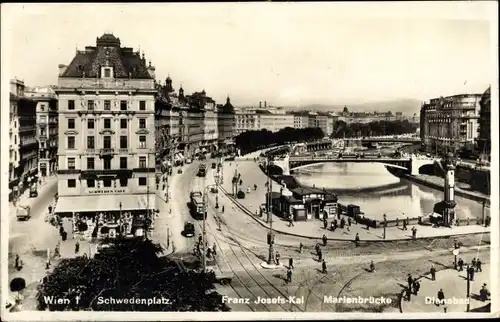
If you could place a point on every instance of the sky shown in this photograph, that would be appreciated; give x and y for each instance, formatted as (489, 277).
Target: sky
(286, 54)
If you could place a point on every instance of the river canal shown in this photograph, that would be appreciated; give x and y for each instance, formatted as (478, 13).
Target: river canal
(376, 191)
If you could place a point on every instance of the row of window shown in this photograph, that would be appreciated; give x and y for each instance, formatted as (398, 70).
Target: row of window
(107, 183)
(106, 163)
(91, 105)
(107, 123)
(91, 143)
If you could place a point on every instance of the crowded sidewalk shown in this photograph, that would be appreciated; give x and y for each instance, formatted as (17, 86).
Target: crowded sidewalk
(252, 175)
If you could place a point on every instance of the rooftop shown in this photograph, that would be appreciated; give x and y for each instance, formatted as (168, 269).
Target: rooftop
(107, 51)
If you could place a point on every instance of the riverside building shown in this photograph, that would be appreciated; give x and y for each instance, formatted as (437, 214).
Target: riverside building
(107, 137)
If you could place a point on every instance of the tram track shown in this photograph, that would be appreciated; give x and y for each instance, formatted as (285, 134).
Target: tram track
(251, 307)
(264, 293)
(200, 183)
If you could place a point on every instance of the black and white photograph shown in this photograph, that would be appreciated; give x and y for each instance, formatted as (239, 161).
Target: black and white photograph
(249, 160)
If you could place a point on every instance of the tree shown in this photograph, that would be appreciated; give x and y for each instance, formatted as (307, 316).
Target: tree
(130, 269)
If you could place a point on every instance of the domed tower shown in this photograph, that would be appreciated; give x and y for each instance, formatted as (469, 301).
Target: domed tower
(181, 93)
(168, 85)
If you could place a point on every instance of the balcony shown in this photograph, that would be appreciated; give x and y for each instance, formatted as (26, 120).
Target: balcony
(107, 151)
(28, 142)
(42, 137)
(106, 131)
(26, 128)
(123, 150)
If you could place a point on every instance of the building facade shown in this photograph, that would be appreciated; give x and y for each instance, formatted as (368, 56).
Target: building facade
(47, 129)
(106, 150)
(450, 124)
(484, 139)
(23, 144)
(300, 120)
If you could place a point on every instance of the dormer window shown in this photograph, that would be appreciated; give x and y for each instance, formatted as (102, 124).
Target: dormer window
(107, 72)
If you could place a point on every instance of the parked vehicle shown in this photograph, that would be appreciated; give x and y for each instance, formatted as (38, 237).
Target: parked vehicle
(23, 212)
(222, 276)
(214, 165)
(34, 191)
(188, 229)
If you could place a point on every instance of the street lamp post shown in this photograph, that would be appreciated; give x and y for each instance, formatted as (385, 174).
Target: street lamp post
(385, 224)
(120, 218)
(468, 289)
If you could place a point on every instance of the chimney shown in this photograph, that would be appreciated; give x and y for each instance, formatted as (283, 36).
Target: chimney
(260, 104)
(62, 69)
(265, 104)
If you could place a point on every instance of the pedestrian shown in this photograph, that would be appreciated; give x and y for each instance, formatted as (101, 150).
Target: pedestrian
(316, 248)
(56, 251)
(433, 273)
(410, 282)
(277, 258)
(414, 233)
(77, 247)
(324, 240)
(404, 225)
(342, 223)
(290, 263)
(223, 209)
(323, 266)
(471, 273)
(301, 247)
(460, 264)
(50, 208)
(473, 262)
(209, 252)
(349, 221)
(17, 260)
(484, 293)
(332, 226)
(289, 276)
(290, 222)
(214, 249)
(356, 239)
(325, 223)
(320, 255)
(440, 297)
(200, 239)
(478, 265)
(416, 286)
(372, 267)
(367, 226)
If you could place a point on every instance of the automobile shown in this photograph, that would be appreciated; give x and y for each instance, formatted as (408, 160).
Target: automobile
(188, 229)
(214, 165)
(179, 171)
(33, 191)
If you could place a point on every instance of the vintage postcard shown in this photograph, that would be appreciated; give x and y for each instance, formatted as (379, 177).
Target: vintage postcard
(249, 161)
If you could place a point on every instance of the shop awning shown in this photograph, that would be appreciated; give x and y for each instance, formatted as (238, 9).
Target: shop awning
(95, 203)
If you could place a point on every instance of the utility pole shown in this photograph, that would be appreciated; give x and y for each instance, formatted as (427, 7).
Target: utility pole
(270, 236)
(468, 289)
(203, 234)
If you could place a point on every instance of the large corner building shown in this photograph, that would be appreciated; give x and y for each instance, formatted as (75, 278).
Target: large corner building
(106, 155)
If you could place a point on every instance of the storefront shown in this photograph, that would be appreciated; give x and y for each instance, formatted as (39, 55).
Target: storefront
(101, 216)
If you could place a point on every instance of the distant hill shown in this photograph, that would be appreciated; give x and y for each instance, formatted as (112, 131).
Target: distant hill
(407, 106)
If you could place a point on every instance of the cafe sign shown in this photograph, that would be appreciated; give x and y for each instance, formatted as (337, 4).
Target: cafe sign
(106, 191)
